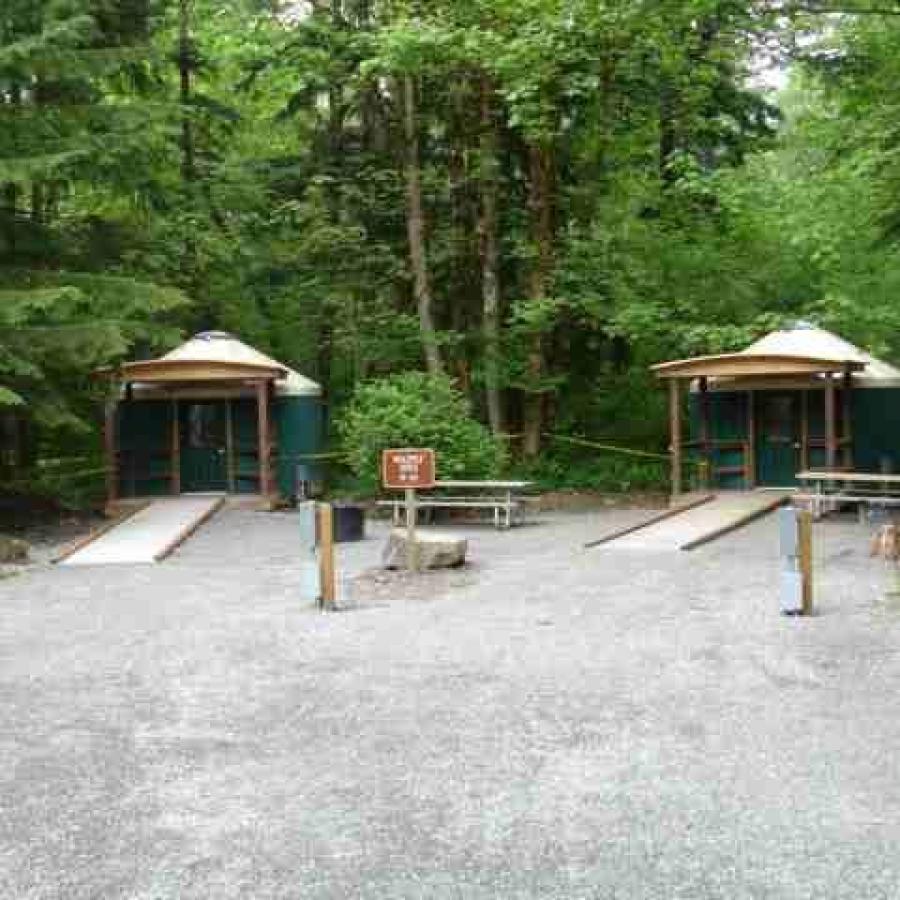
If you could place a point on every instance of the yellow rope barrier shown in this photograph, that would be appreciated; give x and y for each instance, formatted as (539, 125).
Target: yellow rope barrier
(625, 451)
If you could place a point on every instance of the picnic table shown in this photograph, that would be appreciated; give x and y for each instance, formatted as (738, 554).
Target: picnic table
(503, 498)
(821, 487)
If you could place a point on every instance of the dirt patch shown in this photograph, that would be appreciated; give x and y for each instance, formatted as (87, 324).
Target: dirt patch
(378, 587)
(47, 539)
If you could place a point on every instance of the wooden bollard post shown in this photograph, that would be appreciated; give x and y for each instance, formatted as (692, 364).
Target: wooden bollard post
(412, 547)
(327, 582)
(805, 557)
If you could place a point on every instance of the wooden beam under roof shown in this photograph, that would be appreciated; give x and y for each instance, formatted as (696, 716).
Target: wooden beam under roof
(749, 364)
(156, 371)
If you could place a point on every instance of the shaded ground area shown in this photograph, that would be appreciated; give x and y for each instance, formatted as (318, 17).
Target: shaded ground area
(551, 723)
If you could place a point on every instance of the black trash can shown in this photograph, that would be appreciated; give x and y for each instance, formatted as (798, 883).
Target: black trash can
(349, 522)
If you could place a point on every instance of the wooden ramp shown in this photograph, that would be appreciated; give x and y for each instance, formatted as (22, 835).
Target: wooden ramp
(699, 523)
(149, 535)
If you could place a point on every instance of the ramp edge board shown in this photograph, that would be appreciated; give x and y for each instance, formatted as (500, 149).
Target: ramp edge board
(97, 533)
(149, 534)
(188, 530)
(734, 525)
(646, 523)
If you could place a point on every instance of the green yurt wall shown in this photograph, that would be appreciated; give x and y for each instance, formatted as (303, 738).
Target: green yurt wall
(876, 430)
(300, 426)
(144, 442)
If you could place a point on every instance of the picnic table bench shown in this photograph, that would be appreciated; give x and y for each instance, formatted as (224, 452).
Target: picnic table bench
(503, 498)
(827, 486)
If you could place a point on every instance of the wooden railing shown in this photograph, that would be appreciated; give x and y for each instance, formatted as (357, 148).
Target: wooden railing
(711, 472)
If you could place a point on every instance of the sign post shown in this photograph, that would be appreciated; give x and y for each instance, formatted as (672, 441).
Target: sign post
(412, 546)
(409, 470)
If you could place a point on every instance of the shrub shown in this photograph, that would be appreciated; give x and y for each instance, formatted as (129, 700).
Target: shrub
(563, 467)
(415, 410)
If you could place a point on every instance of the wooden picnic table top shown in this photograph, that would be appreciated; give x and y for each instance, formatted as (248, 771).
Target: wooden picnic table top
(487, 485)
(857, 477)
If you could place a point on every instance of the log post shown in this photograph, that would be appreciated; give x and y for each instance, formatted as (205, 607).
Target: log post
(412, 546)
(705, 430)
(750, 462)
(175, 451)
(675, 435)
(830, 424)
(804, 429)
(229, 446)
(847, 411)
(264, 441)
(111, 450)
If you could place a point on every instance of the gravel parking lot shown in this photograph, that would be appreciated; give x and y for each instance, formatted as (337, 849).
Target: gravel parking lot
(548, 722)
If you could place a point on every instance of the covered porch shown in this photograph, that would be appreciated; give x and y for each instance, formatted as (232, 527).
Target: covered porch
(175, 426)
(214, 415)
(757, 418)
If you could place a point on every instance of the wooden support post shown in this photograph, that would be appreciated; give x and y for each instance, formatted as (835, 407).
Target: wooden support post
(804, 547)
(847, 415)
(750, 462)
(830, 424)
(675, 435)
(229, 446)
(175, 451)
(327, 579)
(804, 429)
(264, 441)
(111, 450)
(705, 431)
(412, 546)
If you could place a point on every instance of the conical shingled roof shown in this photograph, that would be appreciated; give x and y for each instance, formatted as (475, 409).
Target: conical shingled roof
(220, 346)
(808, 340)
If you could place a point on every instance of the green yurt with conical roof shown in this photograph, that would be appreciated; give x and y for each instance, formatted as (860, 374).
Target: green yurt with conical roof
(213, 415)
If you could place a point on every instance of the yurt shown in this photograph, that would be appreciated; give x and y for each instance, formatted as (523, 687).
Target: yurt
(796, 399)
(213, 415)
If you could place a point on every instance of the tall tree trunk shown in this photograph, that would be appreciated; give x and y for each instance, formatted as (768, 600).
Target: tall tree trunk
(667, 135)
(185, 66)
(490, 261)
(540, 190)
(415, 227)
(325, 353)
(10, 212)
(10, 192)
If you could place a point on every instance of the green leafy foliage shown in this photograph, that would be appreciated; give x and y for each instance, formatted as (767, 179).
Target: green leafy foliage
(415, 410)
(609, 168)
(563, 469)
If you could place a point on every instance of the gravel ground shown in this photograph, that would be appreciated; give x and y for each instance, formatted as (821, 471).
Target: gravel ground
(550, 722)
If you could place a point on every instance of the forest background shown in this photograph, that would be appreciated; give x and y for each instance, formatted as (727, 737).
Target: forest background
(532, 198)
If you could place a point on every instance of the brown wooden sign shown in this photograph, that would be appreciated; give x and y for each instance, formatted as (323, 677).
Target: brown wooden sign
(407, 468)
